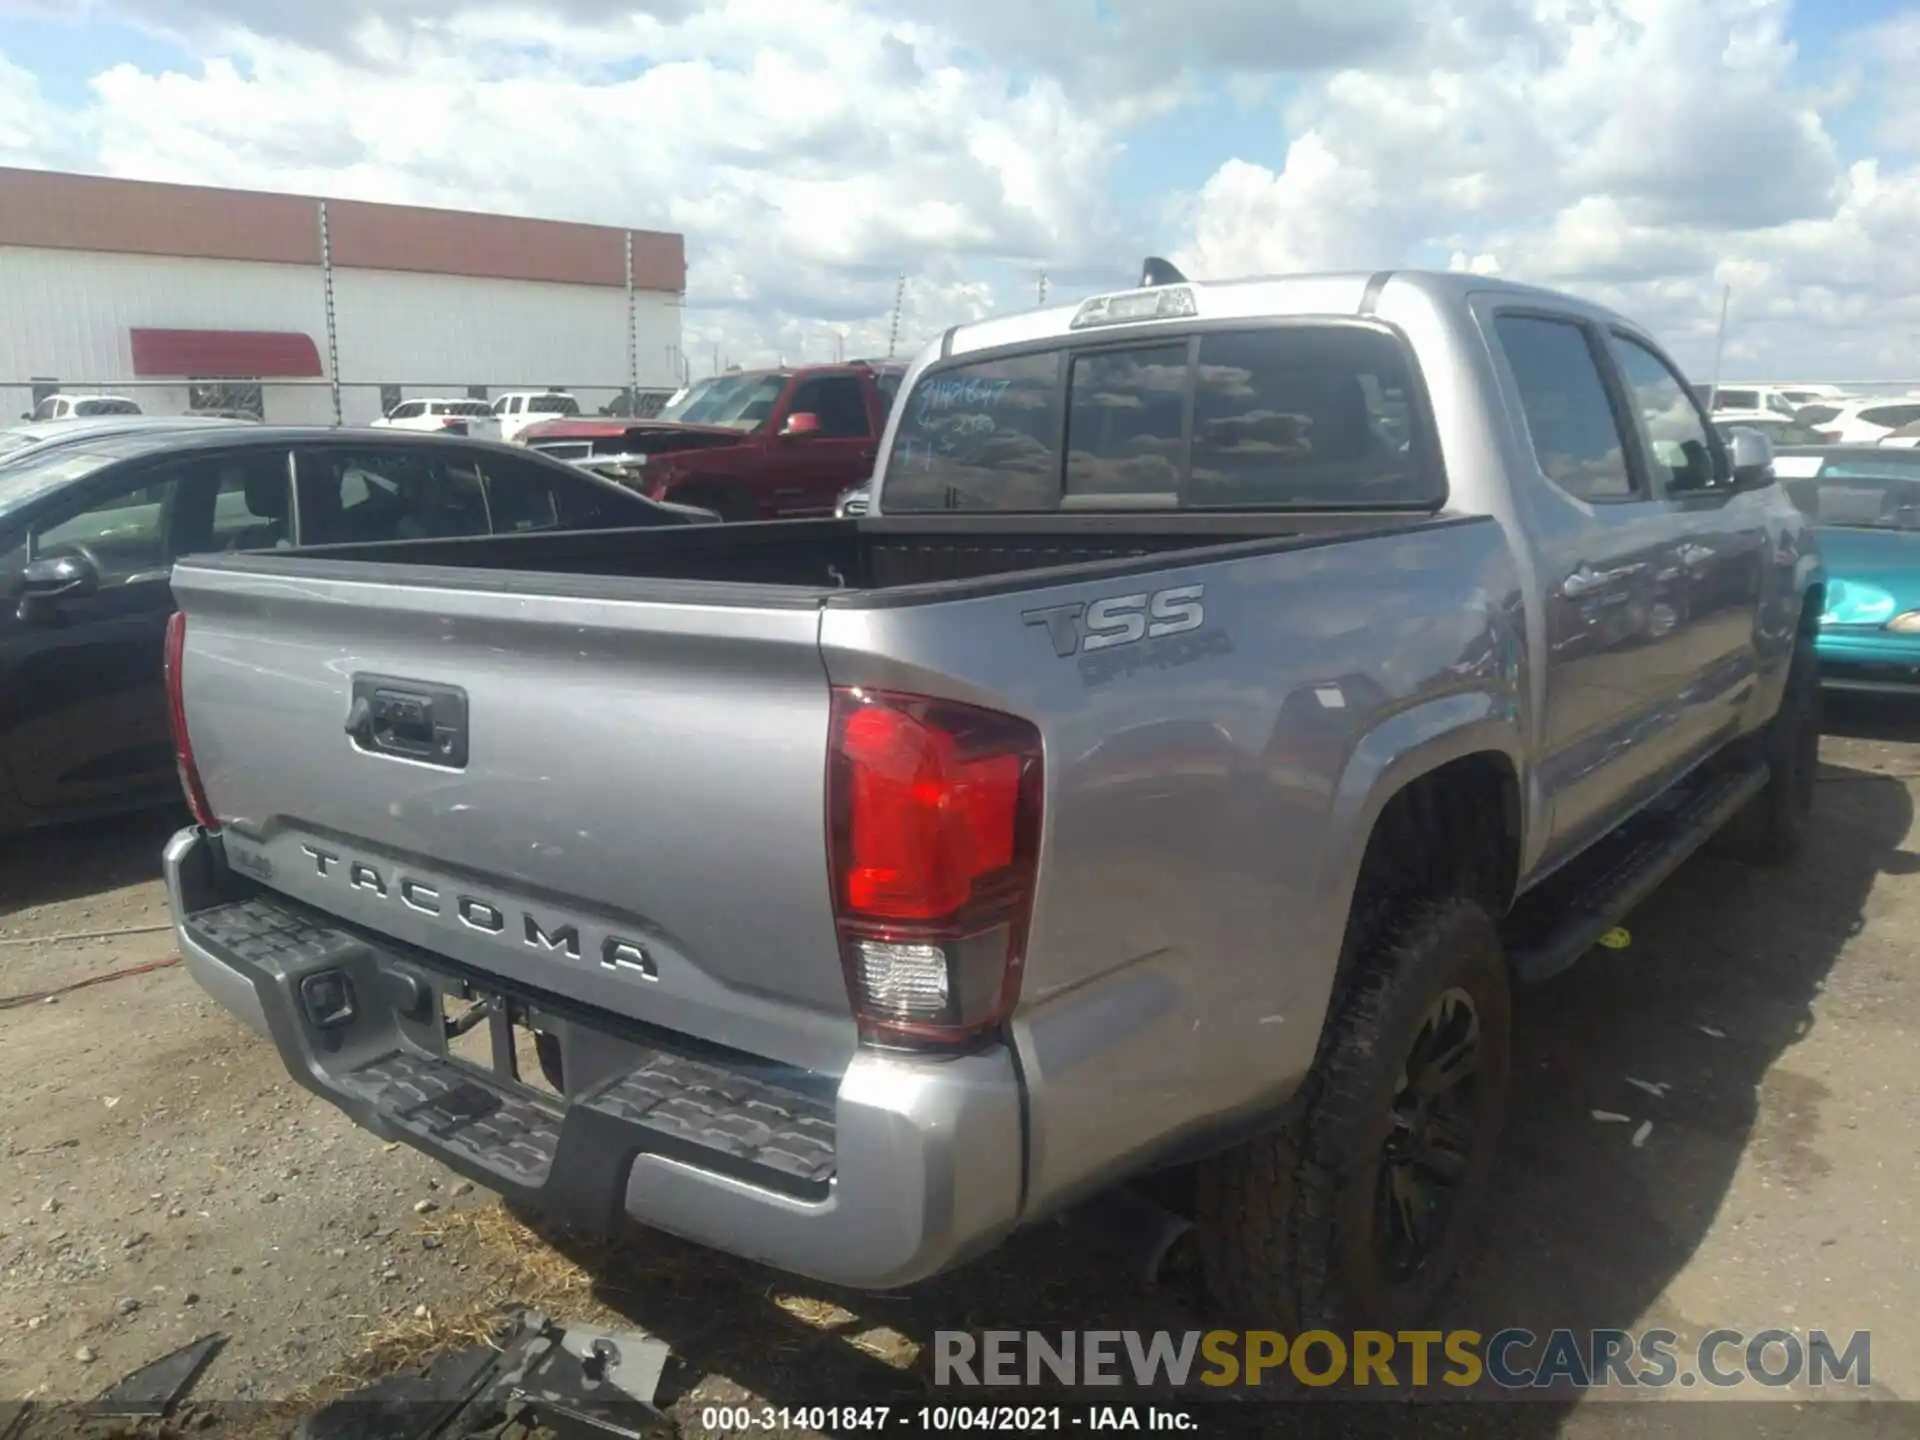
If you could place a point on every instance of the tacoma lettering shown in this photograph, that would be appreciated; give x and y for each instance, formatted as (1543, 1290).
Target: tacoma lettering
(545, 934)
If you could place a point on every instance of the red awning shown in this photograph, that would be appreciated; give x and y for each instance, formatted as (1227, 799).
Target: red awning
(225, 354)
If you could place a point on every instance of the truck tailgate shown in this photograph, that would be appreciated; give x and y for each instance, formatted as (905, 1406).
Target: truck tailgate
(619, 800)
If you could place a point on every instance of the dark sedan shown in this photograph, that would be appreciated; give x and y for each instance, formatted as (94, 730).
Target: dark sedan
(89, 533)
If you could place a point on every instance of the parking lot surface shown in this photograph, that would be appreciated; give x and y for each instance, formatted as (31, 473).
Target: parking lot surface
(162, 1177)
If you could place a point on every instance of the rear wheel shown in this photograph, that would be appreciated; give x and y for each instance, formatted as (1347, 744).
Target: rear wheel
(1359, 1213)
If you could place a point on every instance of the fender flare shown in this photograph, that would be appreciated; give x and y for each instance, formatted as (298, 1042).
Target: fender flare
(1408, 744)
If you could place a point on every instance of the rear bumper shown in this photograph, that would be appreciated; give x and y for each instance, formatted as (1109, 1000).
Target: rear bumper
(897, 1170)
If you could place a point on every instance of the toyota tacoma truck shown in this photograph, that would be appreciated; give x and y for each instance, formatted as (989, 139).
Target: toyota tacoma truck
(1234, 691)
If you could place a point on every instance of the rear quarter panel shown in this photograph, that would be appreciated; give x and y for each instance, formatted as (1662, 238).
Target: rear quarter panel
(1208, 797)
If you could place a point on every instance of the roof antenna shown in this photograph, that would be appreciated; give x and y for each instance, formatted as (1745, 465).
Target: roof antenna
(1159, 272)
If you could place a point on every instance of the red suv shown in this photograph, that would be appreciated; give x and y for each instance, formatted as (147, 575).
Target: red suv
(749, 445)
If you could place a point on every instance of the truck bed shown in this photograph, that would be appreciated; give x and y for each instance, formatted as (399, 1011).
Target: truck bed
(636, 724)
(802, 563)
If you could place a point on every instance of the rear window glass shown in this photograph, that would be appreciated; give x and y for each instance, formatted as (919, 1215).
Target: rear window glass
(475, 408)
(980, 437)
(554, 405)
(1817, 414)
(1893, 415)
(1306, 416)
(1736, 399)
(1858, 497)
(1126, 418)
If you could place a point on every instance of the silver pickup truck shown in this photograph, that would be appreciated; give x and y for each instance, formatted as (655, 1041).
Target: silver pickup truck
(1235, 689)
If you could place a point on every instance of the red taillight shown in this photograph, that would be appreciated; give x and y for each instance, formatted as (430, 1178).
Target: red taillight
(934, 827)
(176, 652)
(1830, 437)
(453, 423)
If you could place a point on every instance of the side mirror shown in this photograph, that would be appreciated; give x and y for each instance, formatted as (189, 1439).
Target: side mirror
(802, 423)
(49, 581)
(1751, 454)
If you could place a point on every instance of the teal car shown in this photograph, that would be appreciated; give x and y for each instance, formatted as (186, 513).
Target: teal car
(1865, 503)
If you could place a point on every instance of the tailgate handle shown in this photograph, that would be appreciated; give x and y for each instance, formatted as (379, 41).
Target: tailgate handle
(409, 720)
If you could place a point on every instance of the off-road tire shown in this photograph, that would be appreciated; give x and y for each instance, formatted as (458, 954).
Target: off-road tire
(1771, 828)
(1287, 1222)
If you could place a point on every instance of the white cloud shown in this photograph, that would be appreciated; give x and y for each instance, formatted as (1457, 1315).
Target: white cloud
(31, 130)
(1643, 151)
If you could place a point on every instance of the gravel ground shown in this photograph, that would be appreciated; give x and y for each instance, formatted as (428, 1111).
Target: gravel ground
(164, 1179)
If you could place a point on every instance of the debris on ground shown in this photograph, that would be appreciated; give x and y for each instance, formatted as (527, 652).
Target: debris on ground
(580, 1383)
(1612, 1117)
(155, 1388)
(1640, 1135)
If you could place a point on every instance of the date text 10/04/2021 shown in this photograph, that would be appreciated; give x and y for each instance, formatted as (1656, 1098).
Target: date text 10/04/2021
(944, 1419)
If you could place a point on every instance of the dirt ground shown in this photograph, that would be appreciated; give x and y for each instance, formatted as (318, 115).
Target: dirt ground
(160, 1178)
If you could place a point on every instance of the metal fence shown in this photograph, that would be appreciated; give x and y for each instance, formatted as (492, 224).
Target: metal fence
(311, 401)
(285, 338)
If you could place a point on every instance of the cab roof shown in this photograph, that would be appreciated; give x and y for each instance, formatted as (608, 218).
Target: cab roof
(1353, 292)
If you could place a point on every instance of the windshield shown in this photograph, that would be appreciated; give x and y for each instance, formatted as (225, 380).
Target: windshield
(1865, 495)
(739, 402)
(23, 483)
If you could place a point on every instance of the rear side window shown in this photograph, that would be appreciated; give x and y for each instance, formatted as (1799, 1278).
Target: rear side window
(361, 496)
(1285, 416)
(1576, 438)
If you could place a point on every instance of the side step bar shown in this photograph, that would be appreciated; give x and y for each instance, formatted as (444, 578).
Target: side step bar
(1554, 925)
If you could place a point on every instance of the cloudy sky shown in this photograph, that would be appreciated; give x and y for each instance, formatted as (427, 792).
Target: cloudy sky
(1644, 152)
